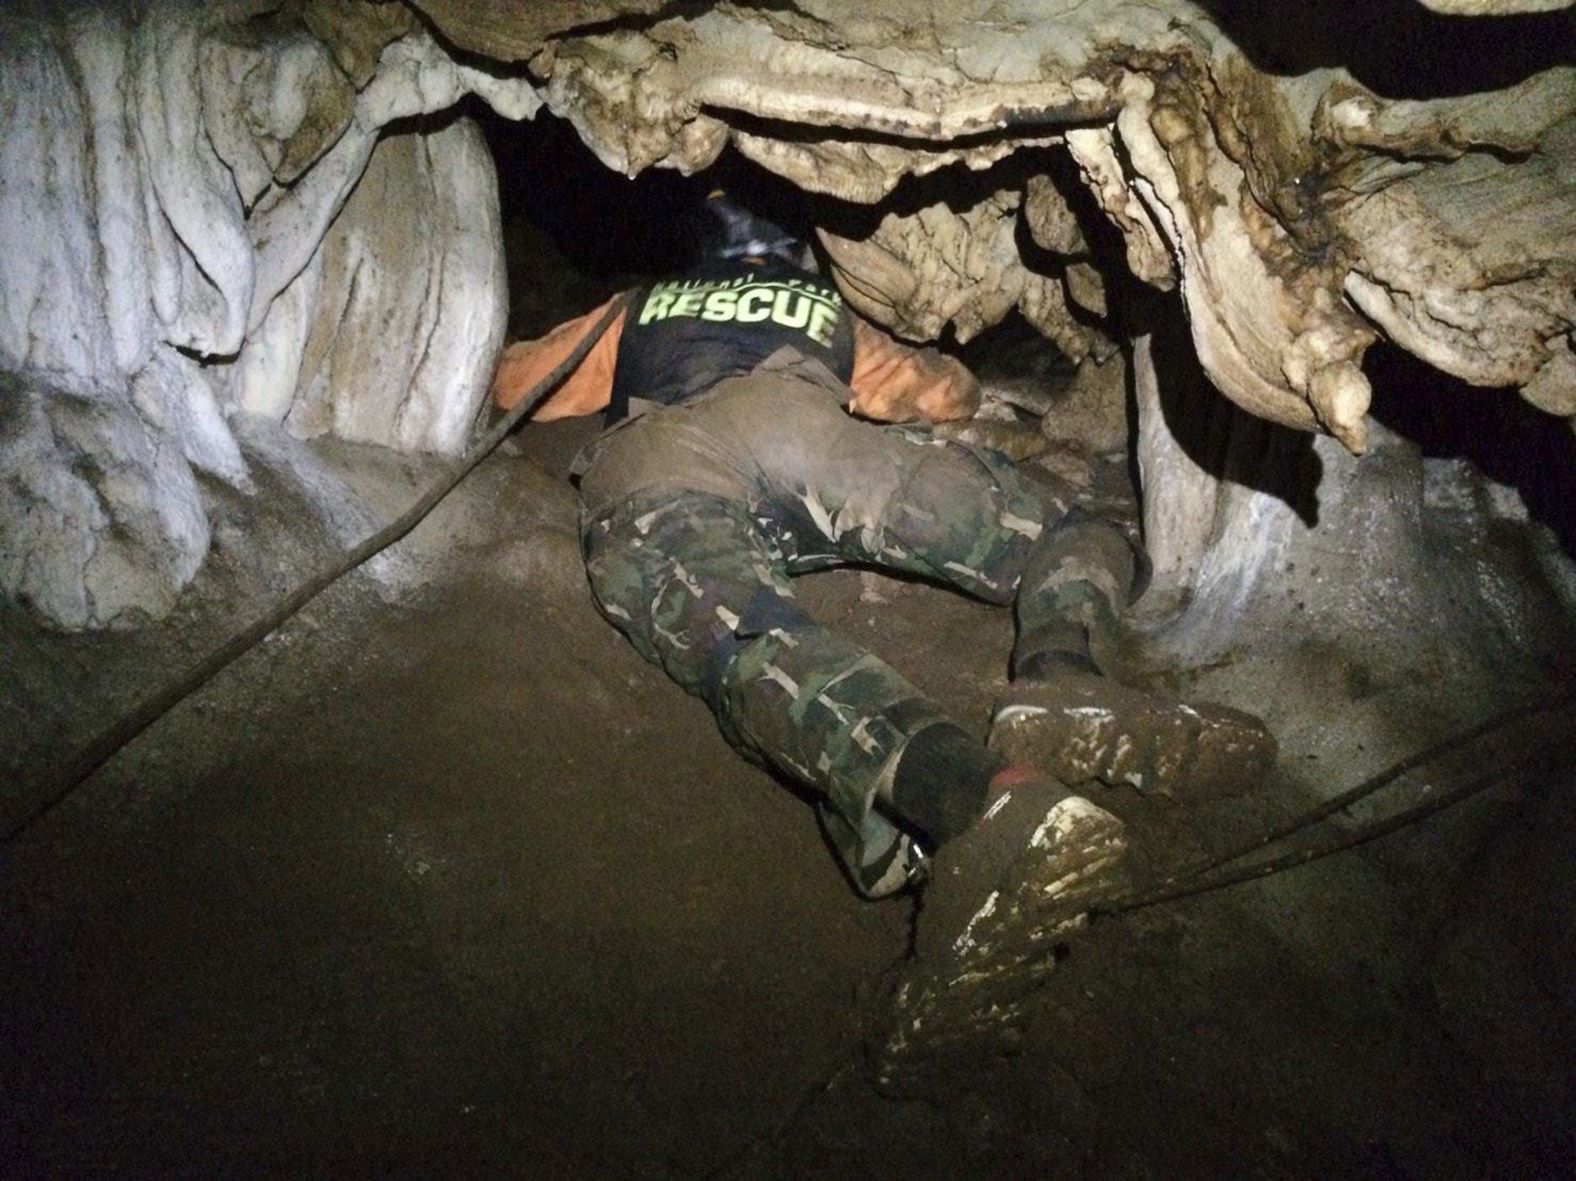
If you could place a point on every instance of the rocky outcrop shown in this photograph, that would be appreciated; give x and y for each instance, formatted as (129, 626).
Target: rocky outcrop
(1304, 211)
(99, 507)
(1306, 190)
(403, 301)
(942, 267)
(1494, 7)
(1284, 542)
(168, 177)
(1464, 215)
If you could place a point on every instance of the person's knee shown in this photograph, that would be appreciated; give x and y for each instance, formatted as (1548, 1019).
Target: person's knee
(674, 574)
(969, 520)
(766, 618)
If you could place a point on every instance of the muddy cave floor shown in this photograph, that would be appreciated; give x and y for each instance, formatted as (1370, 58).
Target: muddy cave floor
(444, 880)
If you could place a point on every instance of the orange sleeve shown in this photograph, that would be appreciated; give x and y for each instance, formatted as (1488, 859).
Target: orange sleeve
(895, 383)
(585, 391)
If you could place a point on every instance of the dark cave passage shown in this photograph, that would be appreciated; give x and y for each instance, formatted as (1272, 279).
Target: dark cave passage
(576, 232)
(1499, 434)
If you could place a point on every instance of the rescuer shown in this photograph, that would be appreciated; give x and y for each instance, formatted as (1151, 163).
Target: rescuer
(757, 429)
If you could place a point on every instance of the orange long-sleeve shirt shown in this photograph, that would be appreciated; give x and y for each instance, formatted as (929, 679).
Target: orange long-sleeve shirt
(891, 382)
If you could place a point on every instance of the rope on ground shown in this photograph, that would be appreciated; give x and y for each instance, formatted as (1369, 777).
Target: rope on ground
(1202, 879)
(1383, 779)
(126, 728)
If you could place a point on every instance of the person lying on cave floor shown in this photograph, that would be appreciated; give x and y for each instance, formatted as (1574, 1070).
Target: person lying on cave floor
(757, 430)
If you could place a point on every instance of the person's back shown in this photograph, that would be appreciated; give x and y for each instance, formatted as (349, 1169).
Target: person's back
(681, 336)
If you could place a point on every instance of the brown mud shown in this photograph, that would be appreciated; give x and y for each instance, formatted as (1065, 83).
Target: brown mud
(457, 885)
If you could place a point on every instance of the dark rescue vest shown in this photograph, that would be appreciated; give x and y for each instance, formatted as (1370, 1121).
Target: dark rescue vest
(682, 336)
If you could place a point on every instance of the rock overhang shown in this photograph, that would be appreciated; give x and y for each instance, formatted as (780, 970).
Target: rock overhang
(1272, 197)
(1299, 209)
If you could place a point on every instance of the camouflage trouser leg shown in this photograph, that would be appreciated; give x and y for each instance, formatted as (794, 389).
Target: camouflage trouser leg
(903, 499)
(698, 581)
(701, 589)
(968, 517)
(1080, 574)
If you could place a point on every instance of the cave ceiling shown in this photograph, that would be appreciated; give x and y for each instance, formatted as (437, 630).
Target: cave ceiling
(1308, 186)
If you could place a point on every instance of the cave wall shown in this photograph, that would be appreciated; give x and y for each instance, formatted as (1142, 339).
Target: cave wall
(179, 251)
(387, 335)
(1409, 559)
(1301, 209)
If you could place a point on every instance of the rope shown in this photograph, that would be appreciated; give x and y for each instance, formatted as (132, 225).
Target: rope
(112, 740)
(1197, 880)
(1383, 779)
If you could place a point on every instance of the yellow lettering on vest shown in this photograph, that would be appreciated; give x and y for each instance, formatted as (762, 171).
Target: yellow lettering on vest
(798, 317)
(688, 304)
(823, 319)
(719, 306)
(657, 304)
(750, 309)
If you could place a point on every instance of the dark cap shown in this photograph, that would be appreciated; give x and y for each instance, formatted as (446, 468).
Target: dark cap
(728, 231)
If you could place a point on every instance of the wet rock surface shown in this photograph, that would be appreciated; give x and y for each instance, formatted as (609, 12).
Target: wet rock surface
(404, 302)
(1273, 180)
(168, 181)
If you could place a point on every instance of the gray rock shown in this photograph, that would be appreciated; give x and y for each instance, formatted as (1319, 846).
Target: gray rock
(410, 300)
(99, 509)
(167, 182)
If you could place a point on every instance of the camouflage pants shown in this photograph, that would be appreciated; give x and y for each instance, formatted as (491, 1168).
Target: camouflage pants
(696, 516)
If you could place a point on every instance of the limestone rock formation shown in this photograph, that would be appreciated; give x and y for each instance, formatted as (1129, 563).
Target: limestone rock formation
(1277, 194)
(1494, 7)
(940, 267)
(99, 509)
(167, 179)
(405, 292)
(1308, 188)
(1091, 411)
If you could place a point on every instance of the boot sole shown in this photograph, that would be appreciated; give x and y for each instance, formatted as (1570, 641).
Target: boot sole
(1084, 729)
(948, 1015)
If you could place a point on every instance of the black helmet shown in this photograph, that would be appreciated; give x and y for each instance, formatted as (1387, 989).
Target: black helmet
(730, 232)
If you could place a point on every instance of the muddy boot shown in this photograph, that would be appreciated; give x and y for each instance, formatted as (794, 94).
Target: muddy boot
(1080, 726)
(1062, 715)
(1002, 898)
